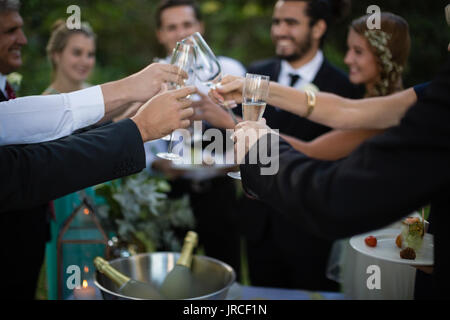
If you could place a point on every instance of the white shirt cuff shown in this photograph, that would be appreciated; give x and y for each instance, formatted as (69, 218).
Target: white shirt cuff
(37, 119)
(87, 106)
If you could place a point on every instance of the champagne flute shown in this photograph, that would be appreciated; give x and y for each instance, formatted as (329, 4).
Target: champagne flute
(254, 96)
(160, 60)
(183, 56)
(206, 66)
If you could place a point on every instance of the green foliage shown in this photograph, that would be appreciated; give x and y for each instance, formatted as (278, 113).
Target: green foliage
(138, 209)
(239, 29)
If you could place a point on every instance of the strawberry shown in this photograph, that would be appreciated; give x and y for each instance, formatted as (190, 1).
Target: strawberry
(371, 241)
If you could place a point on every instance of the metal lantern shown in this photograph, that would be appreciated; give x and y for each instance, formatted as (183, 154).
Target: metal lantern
(80, 240)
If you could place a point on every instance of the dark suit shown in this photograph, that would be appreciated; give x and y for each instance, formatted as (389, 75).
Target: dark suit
(2, 97)
(278, 256)
(386, 178)
(32, 175)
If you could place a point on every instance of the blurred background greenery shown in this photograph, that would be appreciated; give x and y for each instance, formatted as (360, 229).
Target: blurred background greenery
(239, 29)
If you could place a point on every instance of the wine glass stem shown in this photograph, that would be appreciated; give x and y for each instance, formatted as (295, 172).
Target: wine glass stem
(231, 114)
(218, 80)
(169, 149)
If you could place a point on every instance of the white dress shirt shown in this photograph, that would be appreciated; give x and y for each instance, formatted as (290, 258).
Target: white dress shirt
(43, 118)
(306, 72)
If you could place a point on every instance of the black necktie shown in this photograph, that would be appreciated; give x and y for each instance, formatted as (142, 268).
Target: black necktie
(294, 79)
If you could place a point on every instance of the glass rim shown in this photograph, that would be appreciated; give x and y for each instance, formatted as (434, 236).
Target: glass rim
(181, 43)
(254, 75)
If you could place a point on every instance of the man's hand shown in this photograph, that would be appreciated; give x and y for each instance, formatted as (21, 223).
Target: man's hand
(207, 110)
(141, 86)
(165, 113)
(145, 84)
(246, 135)
(229, 93)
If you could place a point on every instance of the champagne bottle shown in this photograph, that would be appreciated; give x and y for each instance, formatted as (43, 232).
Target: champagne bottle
(127, 286)
(178, 284)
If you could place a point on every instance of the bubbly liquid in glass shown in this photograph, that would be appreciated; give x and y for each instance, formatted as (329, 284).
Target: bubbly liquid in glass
(253, 111)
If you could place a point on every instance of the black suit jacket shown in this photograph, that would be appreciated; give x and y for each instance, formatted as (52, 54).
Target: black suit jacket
(2, 97)
(385, 179)
(33, 175)
(37, 173)
(262, 223)
(328, 79)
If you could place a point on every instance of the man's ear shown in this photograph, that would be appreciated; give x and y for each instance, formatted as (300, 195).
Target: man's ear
(319, 29)
(158, 35)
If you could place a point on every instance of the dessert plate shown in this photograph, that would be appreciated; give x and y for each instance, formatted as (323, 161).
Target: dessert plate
(387, 250)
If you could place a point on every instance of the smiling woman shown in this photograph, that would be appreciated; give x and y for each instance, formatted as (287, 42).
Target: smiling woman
(377, 58)
(72, 55)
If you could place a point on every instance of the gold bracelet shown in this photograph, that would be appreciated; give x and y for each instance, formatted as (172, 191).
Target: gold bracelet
(311, 102)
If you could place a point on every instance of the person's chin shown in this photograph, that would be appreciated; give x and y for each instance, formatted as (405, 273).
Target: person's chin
(14, 65)
(355, 78)
(80, 77)
(288, 56)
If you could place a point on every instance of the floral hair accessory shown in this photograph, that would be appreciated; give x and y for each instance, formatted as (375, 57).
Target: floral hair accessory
(391, 70)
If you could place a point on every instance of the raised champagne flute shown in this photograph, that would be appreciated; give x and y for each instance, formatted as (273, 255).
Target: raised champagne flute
(160, 60)
(183, 56)
(206, 66)
(254, 96)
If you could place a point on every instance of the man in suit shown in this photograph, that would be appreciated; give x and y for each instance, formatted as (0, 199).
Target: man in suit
(372, 187)
(12, 39)
(212, 199)
(278, 256)
(33, 175)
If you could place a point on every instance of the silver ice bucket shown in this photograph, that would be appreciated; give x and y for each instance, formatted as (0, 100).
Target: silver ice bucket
(214, 277)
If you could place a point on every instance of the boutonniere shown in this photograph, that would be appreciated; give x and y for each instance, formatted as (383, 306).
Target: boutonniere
(14, 79)
(310, 86)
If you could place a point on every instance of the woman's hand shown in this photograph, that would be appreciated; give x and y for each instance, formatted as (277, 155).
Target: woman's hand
(246, 135)
(229, 92)
(146, 83)
(207, 110)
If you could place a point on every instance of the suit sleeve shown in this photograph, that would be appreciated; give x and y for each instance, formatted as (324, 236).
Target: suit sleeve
(35, 174)
(385, 179)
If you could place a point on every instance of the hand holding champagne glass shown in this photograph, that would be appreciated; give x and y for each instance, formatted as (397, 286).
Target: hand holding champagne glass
(183, 56)
(207, 67)
(254, 96)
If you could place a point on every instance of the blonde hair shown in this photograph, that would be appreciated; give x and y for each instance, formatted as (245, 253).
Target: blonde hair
(60, 37)
(391, 46)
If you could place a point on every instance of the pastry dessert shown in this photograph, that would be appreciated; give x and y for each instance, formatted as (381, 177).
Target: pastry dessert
(411, 237)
